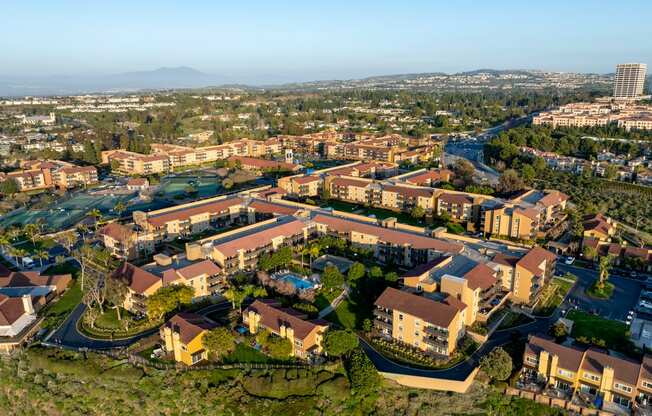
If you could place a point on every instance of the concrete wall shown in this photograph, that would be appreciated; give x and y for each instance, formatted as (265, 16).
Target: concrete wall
(433, 383)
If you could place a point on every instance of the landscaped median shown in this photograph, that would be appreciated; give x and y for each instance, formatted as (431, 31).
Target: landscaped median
(107, 325)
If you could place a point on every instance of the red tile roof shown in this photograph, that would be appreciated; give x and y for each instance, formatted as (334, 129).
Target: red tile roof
(339, 181)
(184, 213)
(116, 231)
(452, 198)
(272, 208)
(204, 267)
(553, 198)
(431, 311)
(31, 279)
(409, 192)
(260, 238)
(306, 179)
(388, 235)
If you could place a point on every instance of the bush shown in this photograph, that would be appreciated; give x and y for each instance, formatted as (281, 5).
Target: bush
(362, 373)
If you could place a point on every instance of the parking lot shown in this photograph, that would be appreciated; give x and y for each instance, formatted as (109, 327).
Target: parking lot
(624, 298)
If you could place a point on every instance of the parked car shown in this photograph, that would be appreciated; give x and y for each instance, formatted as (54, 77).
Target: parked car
(569, 260)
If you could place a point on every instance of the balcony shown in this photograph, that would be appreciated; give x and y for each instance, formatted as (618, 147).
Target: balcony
(383, 315)
(438, 332)
(434, 342)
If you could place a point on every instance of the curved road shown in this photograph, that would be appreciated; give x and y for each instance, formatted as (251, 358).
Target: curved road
(68, 335)
(462, 370)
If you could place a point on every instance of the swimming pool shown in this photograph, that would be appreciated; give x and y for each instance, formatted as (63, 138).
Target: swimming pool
(296, 281)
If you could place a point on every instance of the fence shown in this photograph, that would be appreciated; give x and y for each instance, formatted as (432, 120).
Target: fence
(556, 402)
(139, 361)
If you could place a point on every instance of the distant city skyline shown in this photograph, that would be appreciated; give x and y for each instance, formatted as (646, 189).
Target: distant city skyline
(266, 42)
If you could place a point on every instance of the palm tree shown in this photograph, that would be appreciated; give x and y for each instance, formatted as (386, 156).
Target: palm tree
(83, 229)
(17, 252)
(32, 232)
(314, 252)
(95, 213)
(119, 208)
(603, 270)
(41, 255)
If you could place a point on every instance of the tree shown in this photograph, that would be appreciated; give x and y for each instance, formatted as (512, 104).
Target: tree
(219, 341)
(119, 208)
(611, 172)
(9, 186)
(168, 298)
(356, 271)
(589, 252)
(41, 255)
(497, 364)
(604, 266)
(278, 347)
(338, 343)
(116, 293)
(332, 278)
(362, 373)
(464, 170)
(559, 330)
(510, 182)
(391, 277)
(375, 272)
(32, 232)
(417, 212)
(367, 326)
(528, 173)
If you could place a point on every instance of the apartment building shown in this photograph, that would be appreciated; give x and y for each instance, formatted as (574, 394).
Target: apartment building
(456, 206)
(140, 283)
(182, 336)
(37, 174)
(241, 250)
(305, 336)
(589, 371)
(356, 190)
(371, 169)
(624, 114)
(389, 245)
(120, 240)
(428, 178)
(131, 163)
(406, 198)
(504, 219)
(303, 186)
(199, 275)
(598, 226)
(188, 219)
(629, 81)
(476, 284)
(261, 165)
(429, 325)
(525, 276)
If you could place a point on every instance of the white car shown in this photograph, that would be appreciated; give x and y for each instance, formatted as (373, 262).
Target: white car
(569, 260)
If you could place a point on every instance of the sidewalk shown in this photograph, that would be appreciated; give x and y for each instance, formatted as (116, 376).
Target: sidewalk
(330, 308)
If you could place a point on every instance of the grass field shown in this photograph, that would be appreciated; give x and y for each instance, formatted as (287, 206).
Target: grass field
(344, 315)
(553, 295)
(614, 333)
(245, 354)
(58, 311)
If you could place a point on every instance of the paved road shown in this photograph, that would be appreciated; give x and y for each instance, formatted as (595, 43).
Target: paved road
(462, 370)
(624, 299)
(68, 335)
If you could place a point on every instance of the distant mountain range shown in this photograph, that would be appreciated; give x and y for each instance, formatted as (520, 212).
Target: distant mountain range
(185, 77)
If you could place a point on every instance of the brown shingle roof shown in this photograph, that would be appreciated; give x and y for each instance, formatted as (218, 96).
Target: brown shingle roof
(481, 276)
(533, 259)
(553, 198)
(306, 179)
(570, 358)
(189, 325)
(191, 271)
(506, 260)
(272, 208)
(31, 279)
(184, 213)
(11, 309)
(423, 268)
(431, 311)
(409, 192)
(272, 317)
(116, 231)
(455, 198)
(137, 279)
(350, 182)
(624, 370)
(388, 235)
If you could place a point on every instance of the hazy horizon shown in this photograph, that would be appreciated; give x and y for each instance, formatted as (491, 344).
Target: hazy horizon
(264, 43)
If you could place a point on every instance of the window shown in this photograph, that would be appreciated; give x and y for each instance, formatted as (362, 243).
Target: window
(623, 387)
(590, 376)
(565, 373)
(531, 360)
(400, 316)
(647, 384)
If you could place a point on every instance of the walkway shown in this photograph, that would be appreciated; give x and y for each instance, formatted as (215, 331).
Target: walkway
(330, 308)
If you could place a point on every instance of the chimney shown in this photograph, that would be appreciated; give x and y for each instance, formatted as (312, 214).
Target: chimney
(27, 304)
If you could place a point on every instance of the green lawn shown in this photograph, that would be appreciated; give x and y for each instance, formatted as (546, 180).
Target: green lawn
(57, 312)
(109, 319)
(614, 333)
(246, 354)
(601, 293)
(514, 319)
(345, 315)
(324, 298)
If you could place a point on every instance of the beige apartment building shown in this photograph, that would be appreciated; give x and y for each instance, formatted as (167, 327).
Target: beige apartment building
(38, 174)
(429, 325)
(524, 277)
(303, 186)
(305, 336)
(131, 163)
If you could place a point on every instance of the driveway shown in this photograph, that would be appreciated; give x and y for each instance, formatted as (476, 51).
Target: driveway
(623, 300)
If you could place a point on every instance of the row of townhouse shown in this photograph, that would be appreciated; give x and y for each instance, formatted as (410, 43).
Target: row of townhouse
(392, 148)
(153, 228)
(591, 372)
(628, 116)
(49, 174)
(521, 217)
(256, 164)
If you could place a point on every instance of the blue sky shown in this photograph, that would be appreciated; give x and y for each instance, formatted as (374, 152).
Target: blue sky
(264, 41)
